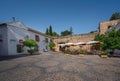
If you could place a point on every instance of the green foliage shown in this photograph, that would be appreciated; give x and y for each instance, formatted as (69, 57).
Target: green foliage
(96, 47)
(71, 31)
(67, 51)
(50, 31)
(51, 45)
(109, 41)
(82, 52)
(115, 16)
(31, 51)
(67, 32)
(104, 53)
(55, 34)
(31, 44)
(47, 31)
(93, 31)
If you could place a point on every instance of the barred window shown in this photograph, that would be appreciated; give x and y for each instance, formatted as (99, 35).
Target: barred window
(19, 48)
(37, 38)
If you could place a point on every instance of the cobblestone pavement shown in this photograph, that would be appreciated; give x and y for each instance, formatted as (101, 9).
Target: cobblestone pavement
(54, 66)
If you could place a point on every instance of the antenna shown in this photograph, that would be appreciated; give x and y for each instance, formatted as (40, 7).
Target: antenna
(13, 18)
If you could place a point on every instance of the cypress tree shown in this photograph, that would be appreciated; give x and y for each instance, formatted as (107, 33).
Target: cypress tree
(47, 32)
(50, 31)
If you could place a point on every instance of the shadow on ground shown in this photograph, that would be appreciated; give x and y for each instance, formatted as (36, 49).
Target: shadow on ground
(10, 57)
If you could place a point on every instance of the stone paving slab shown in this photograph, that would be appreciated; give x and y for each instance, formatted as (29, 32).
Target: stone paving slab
(54, 66)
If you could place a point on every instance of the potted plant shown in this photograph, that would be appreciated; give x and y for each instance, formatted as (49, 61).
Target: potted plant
(67, 52)
(81, 53)
(104, 54)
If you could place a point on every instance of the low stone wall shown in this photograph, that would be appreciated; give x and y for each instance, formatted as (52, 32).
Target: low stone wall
(75, 39)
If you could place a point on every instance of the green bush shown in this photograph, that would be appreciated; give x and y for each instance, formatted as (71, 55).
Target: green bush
(31, 44)
(104, 53)
(67, 51)
(82, 52)
(51, 45)
(31, 51)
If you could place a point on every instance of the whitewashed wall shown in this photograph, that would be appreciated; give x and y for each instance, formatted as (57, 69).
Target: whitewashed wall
(14, 35)
(41, 44)
(4, 42)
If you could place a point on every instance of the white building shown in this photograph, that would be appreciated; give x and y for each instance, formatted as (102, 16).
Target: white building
(12, 34)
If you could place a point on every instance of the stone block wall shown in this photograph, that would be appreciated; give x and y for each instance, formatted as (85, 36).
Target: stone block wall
(74, 39)
(103, 26)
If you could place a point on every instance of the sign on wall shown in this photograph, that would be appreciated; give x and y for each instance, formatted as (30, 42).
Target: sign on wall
(21, 41)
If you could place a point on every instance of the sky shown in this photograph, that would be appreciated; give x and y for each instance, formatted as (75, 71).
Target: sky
(82, 15)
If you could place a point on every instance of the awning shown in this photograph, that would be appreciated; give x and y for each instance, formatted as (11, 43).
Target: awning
(80, 43)
(93, 42)
(69, 44)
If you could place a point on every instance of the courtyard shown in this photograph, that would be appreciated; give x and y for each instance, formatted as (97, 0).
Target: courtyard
(55, 66)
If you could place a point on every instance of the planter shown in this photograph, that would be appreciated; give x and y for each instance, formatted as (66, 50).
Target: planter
(81, 55)
(67, 54)
(104, 56)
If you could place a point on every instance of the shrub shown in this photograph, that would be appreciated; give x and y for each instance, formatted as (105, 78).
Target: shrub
(31, 44)
(51, 45)
(82, 52)
(104, 53)
(67, 51)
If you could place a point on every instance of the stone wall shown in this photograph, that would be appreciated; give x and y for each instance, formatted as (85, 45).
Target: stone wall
(74, 39)
(103, 26)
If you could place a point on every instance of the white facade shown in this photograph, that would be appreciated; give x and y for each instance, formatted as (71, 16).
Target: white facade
(12, 33)
(3, 41)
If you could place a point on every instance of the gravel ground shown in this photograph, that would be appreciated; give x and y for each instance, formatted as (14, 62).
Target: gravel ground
(54, 66)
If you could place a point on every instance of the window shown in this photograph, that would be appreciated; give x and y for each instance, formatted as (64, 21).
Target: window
(26, 37)
(46, 40)
(19, 48)
(109, 27)
(37, 38)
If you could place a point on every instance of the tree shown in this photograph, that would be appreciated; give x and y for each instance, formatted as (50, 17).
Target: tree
(51, 45)
(55, 34)
(115, 39)
(47, 31)
(31, 44)
(109, 41)
(65, 33)
(115, 16)
(71, 30)
(93, 31)
(101, 38)
(50, 31)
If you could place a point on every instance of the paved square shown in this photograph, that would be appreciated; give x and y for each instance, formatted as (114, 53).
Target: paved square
(54, 66)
